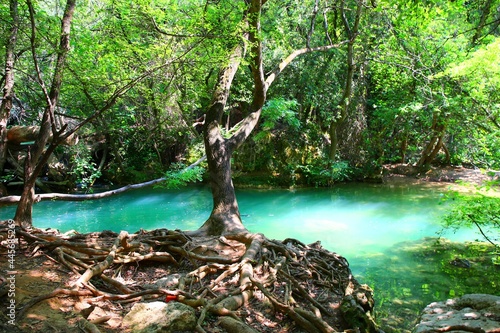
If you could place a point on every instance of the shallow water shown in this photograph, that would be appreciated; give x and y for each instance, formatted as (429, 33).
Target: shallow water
(370, 225)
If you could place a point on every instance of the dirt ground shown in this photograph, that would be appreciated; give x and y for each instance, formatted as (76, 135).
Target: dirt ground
(446, 175)
(36, 273)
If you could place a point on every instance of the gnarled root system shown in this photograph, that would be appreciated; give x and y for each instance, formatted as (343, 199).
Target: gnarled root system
(237, 283)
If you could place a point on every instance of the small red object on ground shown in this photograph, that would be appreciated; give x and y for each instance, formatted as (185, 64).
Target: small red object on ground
(170, 298)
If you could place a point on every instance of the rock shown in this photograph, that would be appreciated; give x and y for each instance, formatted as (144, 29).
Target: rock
(477, 311)
(160, 317)
(462, 263)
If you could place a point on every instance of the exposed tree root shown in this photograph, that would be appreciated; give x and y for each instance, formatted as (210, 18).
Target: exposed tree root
(251, 283)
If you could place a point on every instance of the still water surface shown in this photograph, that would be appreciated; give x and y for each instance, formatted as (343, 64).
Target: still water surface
(353, 220)
(363, 222)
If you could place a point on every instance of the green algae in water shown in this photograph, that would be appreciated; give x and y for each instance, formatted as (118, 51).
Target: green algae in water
(411, 275)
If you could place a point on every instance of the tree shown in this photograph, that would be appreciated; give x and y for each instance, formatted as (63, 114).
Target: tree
(225, 216)
(481, 14)
(476, 80)
(8, 81)
(417, 116)
(351, 30)
(38, 156)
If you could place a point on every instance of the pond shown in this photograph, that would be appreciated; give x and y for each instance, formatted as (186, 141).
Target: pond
(386, 231)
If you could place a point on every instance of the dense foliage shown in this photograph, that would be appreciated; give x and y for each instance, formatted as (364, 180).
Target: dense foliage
(476, 211)
(410, 82)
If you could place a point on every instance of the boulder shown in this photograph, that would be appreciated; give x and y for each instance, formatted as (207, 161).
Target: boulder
(160, 317)
(472, 313)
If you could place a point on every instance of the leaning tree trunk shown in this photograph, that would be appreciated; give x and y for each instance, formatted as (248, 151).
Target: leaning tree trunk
(6, 104)
(39, 155)
(432, 149)
(435, 144)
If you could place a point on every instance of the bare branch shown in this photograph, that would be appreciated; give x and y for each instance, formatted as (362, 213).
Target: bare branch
(270, 79)
(325, 26)
(39, 78)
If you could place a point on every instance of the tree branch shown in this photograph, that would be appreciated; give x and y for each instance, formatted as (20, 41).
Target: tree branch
(12, 199)
(270, 79)
(313, 21)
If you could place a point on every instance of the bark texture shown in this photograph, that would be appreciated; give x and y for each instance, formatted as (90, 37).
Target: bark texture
(343, 108)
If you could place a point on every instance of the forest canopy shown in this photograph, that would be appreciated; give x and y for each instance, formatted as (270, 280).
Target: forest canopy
(407, 82)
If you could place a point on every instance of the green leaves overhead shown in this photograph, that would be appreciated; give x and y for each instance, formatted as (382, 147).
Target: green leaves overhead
(421, 59)
(478, 211)
(479, 74)
(418, 64)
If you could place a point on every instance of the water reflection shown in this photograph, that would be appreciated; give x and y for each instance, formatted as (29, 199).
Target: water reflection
(412, 274)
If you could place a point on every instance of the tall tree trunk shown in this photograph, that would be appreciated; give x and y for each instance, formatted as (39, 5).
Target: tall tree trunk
(436, 142)
(39, 155)
(341, 115)
(225, 216)
(6, 104)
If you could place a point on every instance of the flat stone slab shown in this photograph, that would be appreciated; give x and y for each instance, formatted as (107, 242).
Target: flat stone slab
(479, 311)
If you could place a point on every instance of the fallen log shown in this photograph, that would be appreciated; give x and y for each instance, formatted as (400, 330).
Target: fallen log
(13, 199)
(16, 135)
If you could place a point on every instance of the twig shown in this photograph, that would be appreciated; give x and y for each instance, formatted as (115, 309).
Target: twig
(482, 233)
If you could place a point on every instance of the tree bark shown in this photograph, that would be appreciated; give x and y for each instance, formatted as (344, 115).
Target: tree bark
(19, 134)
(225, 215)
(436, 142)
(6, 104)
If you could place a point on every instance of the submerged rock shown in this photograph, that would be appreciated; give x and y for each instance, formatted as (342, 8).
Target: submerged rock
(160, 317)
(475, 311)
(462, 263)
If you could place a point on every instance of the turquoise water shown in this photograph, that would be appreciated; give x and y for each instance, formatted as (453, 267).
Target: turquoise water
(354, 220)
(380, 229)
